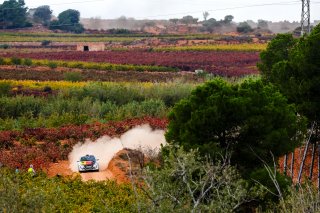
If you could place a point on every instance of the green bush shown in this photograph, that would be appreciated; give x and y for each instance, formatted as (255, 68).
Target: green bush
(4, 46)
(16, 61)
(23, 193)
(95, 101)
(13, 107)
(47, 89)
(45, 42)
(155, 108)
(27, 62)
(4, 88)
(52, 64)
(72, 76)
(2, 61)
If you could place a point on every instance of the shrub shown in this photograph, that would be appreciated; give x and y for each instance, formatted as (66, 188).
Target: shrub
(72, 76)
(4, 88)
(2, 61)
(16, 61)
(185, 183)
(244, 27)
(22, 193)
(75, 65)
(27, 62)
(4, 46)
(47, 89)
(45, 42)
(52, 64)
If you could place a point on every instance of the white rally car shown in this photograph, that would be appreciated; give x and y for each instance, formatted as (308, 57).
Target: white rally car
(88, 163)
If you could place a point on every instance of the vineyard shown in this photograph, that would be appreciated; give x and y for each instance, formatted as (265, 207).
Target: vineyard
(52, 96)
(218, 63)
(245, 47)
(64, 37)
(54, 100)
(42, 73)
(46, 145)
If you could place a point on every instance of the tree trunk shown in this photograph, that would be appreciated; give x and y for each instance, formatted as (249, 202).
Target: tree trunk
(292, 165)
(312, 160)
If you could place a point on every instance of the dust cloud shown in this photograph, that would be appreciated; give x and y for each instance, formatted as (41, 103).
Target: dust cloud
(104, 149)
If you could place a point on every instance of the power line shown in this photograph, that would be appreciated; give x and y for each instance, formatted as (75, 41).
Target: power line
(229, 8)
(190, 12)
(305, 17)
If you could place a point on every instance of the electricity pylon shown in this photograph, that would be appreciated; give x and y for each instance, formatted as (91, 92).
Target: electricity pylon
(305, 17)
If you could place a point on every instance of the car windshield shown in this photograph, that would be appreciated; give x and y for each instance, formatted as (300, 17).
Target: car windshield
(88, 158)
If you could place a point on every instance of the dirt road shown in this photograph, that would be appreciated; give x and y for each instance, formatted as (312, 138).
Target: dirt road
(62, 168)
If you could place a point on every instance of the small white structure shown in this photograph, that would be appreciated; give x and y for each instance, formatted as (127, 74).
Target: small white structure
(91, 46)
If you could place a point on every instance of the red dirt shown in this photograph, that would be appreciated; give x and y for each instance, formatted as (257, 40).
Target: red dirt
(298, 155)
(118, 169)
(62, 168)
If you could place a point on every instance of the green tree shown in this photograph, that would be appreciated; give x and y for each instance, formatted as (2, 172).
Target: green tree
(43, 14)
(262, 24)
(174, 20)
(211, 24)
(68, 20)
(244, 120)
(228, 19)
(13, 14)
(294, 66)
(244, 27)
(189, 20)
(277, 50)
(69, 17)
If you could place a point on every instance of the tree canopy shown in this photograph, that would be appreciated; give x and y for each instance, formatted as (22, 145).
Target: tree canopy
(68, 20)
(263, 24)
(246, 120)
(244, 27)
(294, 66)
(43, 14)
(228, 19)
(189, 20)
(13, 14)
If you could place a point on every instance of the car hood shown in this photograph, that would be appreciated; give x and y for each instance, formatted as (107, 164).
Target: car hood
(86, 163)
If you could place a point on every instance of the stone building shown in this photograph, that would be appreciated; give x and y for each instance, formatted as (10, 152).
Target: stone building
(91, 46)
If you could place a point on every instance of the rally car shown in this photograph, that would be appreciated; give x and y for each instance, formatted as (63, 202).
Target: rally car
(88, 163)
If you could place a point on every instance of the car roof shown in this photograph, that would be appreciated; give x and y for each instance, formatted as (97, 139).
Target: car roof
(88, 157)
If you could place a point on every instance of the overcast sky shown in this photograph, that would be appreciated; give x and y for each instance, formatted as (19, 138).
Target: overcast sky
(164, 9)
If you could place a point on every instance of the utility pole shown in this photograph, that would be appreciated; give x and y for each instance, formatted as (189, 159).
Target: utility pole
(305, 17)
